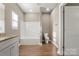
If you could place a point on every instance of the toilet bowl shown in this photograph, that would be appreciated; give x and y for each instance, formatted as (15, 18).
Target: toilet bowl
(46, 37)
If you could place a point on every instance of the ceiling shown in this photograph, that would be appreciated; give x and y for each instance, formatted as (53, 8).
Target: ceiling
(37, 7)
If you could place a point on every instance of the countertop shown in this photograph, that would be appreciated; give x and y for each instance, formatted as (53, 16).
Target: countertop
(3, 38)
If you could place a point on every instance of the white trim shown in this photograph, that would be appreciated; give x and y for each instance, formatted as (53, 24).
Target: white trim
(59, 52)
(60, 28)
(19, 45)
(54, 44)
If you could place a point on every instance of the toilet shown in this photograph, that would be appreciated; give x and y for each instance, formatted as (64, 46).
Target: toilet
(46, 38)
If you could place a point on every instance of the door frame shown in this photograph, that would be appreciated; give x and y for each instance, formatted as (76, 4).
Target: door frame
(61, 25)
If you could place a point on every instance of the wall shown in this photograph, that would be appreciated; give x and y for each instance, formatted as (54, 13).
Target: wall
(57, 18)
(32, 17)
(46, 23)
(9, 7)
(55, 21)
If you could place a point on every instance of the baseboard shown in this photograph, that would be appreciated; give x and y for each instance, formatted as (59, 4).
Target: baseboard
(59, 53)
(19, 45)
(55, 44)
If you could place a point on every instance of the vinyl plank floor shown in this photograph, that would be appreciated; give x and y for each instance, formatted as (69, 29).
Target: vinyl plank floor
(38, 50)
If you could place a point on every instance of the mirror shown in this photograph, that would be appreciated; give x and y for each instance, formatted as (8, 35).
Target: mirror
(2, 18)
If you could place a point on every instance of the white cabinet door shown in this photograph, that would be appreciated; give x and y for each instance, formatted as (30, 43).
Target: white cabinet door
(9, 47)
(14, 50)
(5, 52)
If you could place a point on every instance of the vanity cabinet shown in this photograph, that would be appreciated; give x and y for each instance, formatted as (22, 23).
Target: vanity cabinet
(14, 49)
(9, 47)
(5, 52)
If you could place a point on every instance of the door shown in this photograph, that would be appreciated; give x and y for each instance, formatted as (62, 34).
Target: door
(71, 34)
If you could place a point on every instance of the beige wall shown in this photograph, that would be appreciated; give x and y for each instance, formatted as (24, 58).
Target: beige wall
(46, 24)
(32, 17)
(50, 27)
(55, 25)
(9, 7)
(57, 18)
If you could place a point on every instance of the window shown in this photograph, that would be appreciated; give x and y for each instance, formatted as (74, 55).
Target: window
(2, 20)
(14, 21)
